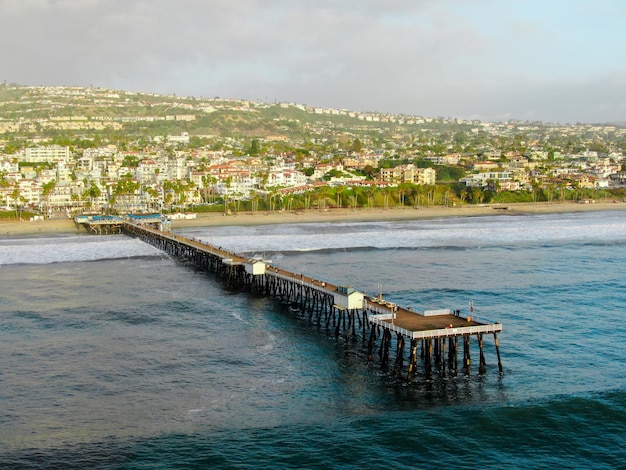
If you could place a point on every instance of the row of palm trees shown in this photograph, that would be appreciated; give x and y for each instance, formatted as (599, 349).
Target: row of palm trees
(344, 197)
(403, 195)
(175, 196)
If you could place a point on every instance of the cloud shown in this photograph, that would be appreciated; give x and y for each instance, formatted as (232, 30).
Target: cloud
(451, 58)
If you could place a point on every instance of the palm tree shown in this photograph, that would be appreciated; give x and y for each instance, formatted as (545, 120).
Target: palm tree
(464, 194)
(15, 195)
(358, 195)
(576, 186)
(92, 192)
(205, 187)
(273, 193)
(535, 186)
(448, 195)
(338, 196)
(549, 192)
(322, 195)
(561, 189)
(152, 199)
(478, 195)
(386, 192)
(403, 189)
(237, 198)
(48, 189)
(371, 191)
(430, 194)
(254, 201)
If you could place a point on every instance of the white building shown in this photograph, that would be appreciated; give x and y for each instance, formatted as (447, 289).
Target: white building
(242, 188)
(9, 166)
(483, 179)
(48, 154)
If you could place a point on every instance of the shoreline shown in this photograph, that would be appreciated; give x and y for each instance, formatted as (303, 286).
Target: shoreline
(11, 229)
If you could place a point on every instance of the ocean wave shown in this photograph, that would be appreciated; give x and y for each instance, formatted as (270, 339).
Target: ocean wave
(461, 247)
(605, 229)
(457, 233)
(48, 251)
(125, 317)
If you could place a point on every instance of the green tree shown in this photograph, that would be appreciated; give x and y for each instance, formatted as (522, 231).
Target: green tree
(92, 192)
(16, 196)
(478, 195)
(369, 171)
(4, 182)
(356, 146)
(154, 195)
(130, 161)
(47, 191)
(254, 149)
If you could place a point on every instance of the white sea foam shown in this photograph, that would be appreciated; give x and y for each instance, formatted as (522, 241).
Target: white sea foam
(271, 240)
(77, 248)
(464, 232)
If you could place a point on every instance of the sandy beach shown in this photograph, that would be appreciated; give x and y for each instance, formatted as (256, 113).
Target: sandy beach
(10, 229)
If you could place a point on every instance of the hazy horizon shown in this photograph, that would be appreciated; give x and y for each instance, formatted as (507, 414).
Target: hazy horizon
(492, 61)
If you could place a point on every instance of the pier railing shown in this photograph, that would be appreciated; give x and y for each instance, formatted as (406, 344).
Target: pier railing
(387, 321)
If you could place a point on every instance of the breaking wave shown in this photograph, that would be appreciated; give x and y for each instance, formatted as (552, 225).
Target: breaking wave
(76, 248)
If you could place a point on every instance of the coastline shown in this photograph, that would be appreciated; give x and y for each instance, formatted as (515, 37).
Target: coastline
(11, 229)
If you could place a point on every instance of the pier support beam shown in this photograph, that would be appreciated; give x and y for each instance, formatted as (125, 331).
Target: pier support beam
(467, 360)
(443, 357)
(412, 360)
(482, 365)
(495, 338)
(371, 343)
(428, 352)
(399, 363)
(384, 350)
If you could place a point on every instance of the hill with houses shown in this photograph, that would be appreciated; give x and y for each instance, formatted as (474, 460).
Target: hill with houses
(78, 149)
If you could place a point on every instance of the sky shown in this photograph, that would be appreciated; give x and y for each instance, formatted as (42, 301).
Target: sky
(561, 61)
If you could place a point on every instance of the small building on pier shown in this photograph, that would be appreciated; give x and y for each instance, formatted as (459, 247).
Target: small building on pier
(348, 298)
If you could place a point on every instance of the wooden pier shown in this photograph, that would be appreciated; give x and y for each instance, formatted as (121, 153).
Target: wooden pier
(408, 344)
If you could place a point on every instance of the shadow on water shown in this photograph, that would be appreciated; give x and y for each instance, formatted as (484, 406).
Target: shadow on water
(368, 385)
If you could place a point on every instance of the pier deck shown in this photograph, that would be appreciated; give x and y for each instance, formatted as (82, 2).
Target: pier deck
(417, 326)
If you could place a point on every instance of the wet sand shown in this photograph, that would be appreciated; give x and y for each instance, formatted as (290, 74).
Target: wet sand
(9, 229)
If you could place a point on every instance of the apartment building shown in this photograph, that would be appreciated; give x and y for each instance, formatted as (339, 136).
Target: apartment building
(47, 154)
(408, 174)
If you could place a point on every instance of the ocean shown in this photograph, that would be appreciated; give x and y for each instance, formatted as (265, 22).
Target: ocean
(115, 355)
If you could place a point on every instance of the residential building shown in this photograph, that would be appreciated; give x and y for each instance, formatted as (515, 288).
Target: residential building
(48, 154)
(408, 174)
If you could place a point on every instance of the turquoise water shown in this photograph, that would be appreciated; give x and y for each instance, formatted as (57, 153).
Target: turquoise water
(116, 356)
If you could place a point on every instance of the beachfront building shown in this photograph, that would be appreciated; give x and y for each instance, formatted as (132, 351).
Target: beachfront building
(241, 188)
(22, 193)
(408, 174)
(501, 179)
(61, 196)
(286, 177)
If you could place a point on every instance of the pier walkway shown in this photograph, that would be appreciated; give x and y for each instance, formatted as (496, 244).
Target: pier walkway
(408, 344)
